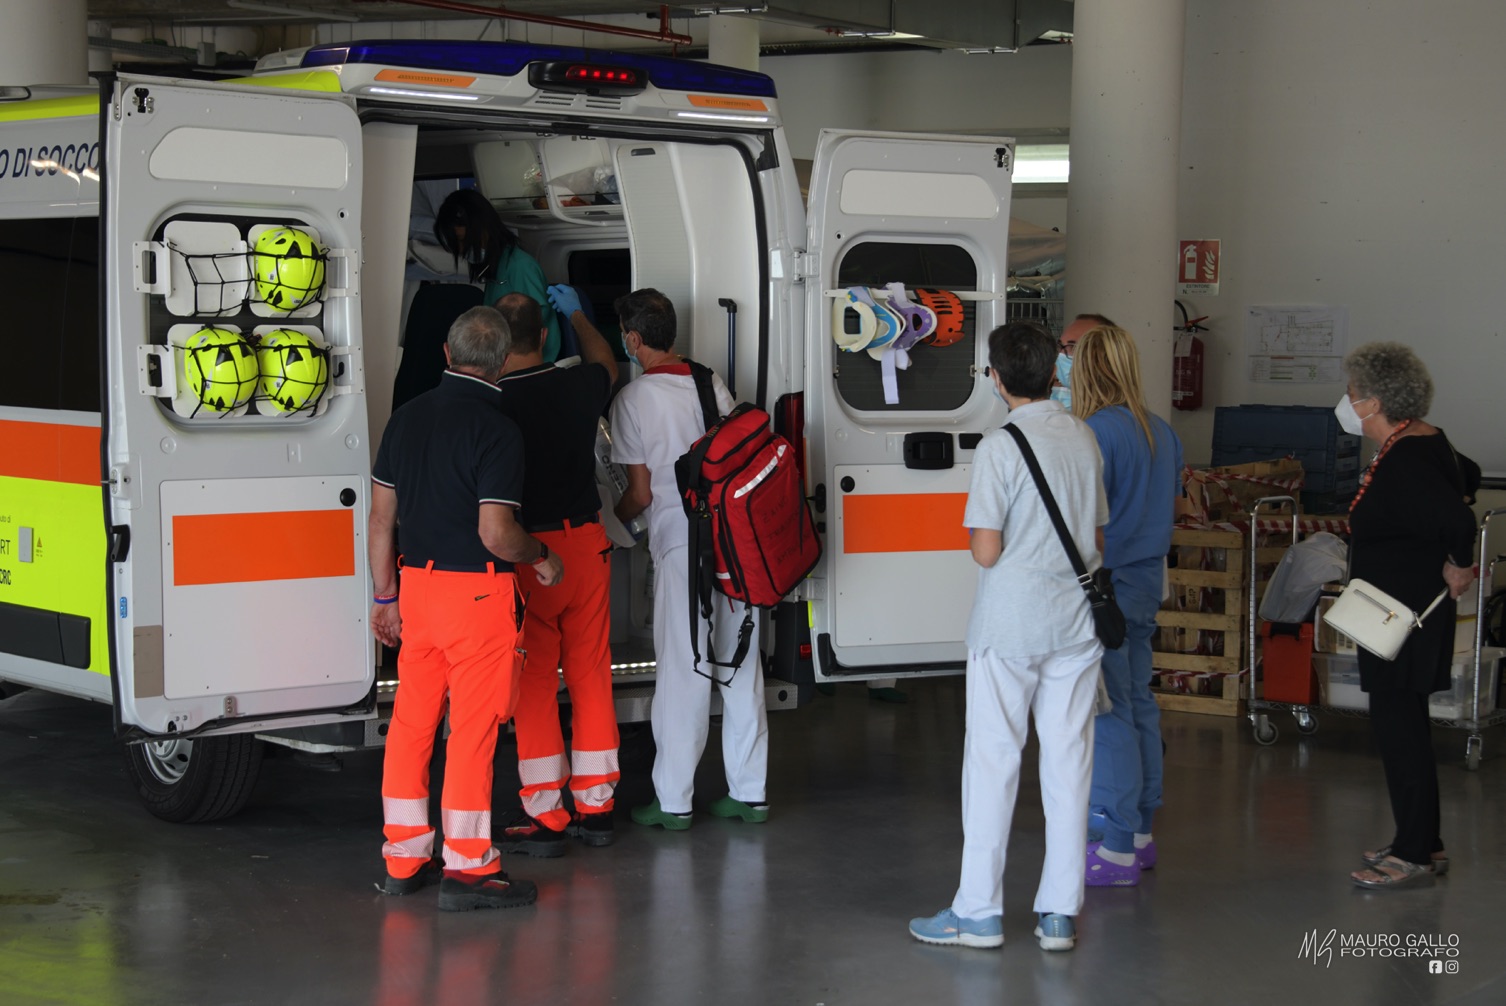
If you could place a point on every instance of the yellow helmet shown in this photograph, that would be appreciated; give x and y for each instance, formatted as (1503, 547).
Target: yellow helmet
(294, 370)
(289, 268)
(219, 366)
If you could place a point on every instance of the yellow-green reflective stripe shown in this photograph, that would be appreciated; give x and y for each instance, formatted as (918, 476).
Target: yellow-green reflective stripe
(308, 80)
(50, 108)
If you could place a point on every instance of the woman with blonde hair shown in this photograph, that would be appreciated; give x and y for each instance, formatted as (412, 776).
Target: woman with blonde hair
(1142, 474)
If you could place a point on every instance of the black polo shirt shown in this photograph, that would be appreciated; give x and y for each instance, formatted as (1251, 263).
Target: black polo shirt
(557, 409)
(445, 453)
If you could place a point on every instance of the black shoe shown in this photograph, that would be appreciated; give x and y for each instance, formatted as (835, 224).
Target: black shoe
(461, 892)
(427, 874)
(595, 830)
(533, 838)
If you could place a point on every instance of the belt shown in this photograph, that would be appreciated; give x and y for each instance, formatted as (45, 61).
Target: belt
(405, 562)
(560, 525)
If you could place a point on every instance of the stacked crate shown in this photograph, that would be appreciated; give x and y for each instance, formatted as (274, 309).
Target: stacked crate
(1311, 434)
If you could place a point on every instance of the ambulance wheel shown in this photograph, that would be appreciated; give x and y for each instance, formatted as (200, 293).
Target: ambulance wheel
(188, 781)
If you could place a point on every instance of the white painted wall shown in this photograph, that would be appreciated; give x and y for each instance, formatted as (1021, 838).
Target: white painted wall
(925, 91)
(1351, 152)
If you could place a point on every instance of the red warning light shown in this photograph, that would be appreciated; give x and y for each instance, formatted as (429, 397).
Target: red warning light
(601, 75)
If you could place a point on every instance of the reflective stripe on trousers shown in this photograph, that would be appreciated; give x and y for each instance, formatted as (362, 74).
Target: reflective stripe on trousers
(566, 629)
(459, 633)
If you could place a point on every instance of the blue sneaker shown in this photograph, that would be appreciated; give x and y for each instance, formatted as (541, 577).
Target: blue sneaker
(945, 927)
(1056, 932)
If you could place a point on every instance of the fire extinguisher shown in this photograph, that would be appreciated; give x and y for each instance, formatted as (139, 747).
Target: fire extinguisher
(1187, 363)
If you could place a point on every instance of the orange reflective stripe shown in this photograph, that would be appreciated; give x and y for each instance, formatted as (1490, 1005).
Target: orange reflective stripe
(207, 548)
(903, 522)
(424, 77)
(50, 452)
(722, 101)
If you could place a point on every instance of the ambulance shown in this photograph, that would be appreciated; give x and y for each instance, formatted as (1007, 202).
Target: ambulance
(208, 302)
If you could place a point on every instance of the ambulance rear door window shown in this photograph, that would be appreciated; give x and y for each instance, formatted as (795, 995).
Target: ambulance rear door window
(939, 378)
(49, 292)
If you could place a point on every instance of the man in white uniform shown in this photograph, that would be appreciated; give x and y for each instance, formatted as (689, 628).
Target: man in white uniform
(1031, 649)
(655, 419)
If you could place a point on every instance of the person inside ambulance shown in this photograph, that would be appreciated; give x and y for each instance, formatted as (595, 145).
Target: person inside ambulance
(655, 419)
(1061, 382)
(468, 227)
(557, 410)
(449, 471)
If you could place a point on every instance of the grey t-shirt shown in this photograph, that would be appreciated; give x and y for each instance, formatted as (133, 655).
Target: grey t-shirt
(1029, 602)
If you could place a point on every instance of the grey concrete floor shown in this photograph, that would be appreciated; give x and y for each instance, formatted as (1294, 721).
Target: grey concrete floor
(102, 904)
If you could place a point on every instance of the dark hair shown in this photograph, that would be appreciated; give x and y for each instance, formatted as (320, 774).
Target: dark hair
(1024, 356)
(525, 318)
(649, 313)
(1096, 319)
(484, 233)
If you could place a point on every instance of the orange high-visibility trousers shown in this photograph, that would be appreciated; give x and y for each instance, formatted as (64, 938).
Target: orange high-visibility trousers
(566, 626)
(459, 637)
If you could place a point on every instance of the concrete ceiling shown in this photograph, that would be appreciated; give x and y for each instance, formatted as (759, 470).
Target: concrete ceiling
(970, 24)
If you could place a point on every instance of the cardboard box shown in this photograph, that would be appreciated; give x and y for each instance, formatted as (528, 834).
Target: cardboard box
(1219, 494)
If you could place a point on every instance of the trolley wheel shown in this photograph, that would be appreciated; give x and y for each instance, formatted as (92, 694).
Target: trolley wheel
(1265, 731)
(1472, 748)
(1307, 723)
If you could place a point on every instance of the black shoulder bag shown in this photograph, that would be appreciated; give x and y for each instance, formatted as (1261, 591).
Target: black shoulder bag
(1108, 620)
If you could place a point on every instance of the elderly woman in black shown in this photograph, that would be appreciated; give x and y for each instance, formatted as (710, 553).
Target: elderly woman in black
(1412, 536)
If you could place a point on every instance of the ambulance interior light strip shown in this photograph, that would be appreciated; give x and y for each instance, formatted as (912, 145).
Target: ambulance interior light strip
(722, 116)
(398, 92)
(507, 59)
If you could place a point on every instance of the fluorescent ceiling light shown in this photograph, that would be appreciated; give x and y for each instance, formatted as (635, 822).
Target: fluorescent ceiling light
(272, 8)
(441, 95)
(1041, 163)
(723, 116)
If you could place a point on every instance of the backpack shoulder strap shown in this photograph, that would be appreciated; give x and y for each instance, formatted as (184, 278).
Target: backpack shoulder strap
(706, 390)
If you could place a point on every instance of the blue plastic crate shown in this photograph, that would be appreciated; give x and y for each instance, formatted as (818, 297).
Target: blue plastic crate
(1330, 457)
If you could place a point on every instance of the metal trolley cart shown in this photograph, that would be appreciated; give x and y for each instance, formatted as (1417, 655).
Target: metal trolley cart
(1473, 718)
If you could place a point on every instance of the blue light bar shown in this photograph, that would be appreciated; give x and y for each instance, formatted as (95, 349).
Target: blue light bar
(506, 59)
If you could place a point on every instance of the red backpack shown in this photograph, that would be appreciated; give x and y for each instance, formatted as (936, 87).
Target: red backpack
(751, 533)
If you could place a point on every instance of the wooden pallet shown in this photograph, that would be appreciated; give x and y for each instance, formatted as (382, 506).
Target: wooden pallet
(1230, 623)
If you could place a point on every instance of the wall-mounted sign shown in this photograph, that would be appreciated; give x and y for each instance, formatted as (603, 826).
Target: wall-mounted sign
(1198, 264)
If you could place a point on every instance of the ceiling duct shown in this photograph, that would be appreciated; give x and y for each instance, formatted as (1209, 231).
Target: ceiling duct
(942, 24)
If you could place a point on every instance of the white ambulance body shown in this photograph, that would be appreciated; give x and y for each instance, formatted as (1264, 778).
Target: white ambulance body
(203, 567)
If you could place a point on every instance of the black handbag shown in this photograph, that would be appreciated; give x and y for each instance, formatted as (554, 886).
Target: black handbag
(1108, 620)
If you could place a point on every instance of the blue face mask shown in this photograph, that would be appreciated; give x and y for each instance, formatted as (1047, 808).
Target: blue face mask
(1063, 394)
(628, 352)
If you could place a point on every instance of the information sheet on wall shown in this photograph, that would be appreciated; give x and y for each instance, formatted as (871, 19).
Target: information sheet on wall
(1297, 345)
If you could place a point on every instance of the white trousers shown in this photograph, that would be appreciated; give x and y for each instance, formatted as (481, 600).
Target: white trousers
(1059, 688)
(681, 715)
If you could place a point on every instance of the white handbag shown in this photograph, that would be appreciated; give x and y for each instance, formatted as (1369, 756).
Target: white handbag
(1374, 619)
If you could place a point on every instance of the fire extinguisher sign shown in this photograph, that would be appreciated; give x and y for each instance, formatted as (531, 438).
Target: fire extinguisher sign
(1198, 267)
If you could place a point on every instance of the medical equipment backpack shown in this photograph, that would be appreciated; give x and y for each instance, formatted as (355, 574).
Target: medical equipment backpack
(751, 533)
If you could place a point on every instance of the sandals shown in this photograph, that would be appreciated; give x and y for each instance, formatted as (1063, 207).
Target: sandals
(1440, 859)
(1391, 872)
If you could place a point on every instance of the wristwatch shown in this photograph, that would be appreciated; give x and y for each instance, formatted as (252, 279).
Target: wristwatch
(543, 554)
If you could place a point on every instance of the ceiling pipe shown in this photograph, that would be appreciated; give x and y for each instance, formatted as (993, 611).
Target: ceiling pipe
(503, 14)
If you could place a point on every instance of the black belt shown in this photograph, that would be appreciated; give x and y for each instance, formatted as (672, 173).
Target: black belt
(560, 525)
(457, 567)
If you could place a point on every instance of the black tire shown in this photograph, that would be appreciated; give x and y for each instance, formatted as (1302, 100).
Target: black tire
(192, 781)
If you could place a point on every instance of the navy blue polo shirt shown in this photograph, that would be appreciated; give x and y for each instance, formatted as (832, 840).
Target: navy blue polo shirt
(557, 408)
(444, 453)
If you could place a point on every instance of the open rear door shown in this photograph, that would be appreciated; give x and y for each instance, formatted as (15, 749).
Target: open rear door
(236, 440)
(892, 453)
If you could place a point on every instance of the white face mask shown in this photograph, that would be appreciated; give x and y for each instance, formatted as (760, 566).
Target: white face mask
(1349, 420)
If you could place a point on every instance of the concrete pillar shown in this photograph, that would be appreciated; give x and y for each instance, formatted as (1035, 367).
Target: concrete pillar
(1122, 197)
(734, 41)
(44, 42)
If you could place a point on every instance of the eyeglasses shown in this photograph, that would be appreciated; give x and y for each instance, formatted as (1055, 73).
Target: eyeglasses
(1067, 347)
